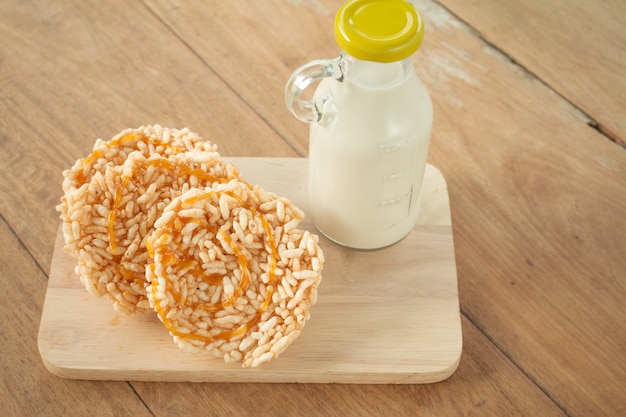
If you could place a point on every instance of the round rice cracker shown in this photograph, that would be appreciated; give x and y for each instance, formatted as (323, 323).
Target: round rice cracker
(106, 219)
(232, 274)
(149, 140)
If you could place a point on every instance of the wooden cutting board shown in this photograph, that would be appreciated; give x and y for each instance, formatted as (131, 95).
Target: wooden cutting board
(389, 316)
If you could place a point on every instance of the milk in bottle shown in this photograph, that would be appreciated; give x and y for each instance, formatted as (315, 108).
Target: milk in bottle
(371, 120)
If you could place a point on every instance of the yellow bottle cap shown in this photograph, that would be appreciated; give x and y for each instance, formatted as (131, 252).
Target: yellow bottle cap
(379, 30)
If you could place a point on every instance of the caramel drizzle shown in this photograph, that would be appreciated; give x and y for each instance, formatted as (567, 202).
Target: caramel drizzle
(159, 163)
(129, 140)
(244, 282)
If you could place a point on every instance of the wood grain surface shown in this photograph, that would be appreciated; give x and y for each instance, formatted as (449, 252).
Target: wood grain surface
(528, 103)
(561, 44)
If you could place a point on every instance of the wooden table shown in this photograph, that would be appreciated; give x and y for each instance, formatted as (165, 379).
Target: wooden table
(529, 132)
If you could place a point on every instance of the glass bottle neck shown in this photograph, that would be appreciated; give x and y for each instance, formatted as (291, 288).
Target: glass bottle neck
(375, 74)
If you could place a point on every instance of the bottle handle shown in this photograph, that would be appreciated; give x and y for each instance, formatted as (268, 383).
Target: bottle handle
(310, 111)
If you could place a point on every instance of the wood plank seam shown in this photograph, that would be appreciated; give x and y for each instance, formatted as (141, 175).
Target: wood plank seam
(224, 80)
(23, 245)
(519, 367)
(140, 398)
(590, 120)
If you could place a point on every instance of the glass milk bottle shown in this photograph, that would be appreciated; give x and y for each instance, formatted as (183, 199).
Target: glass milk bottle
(371, 119)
